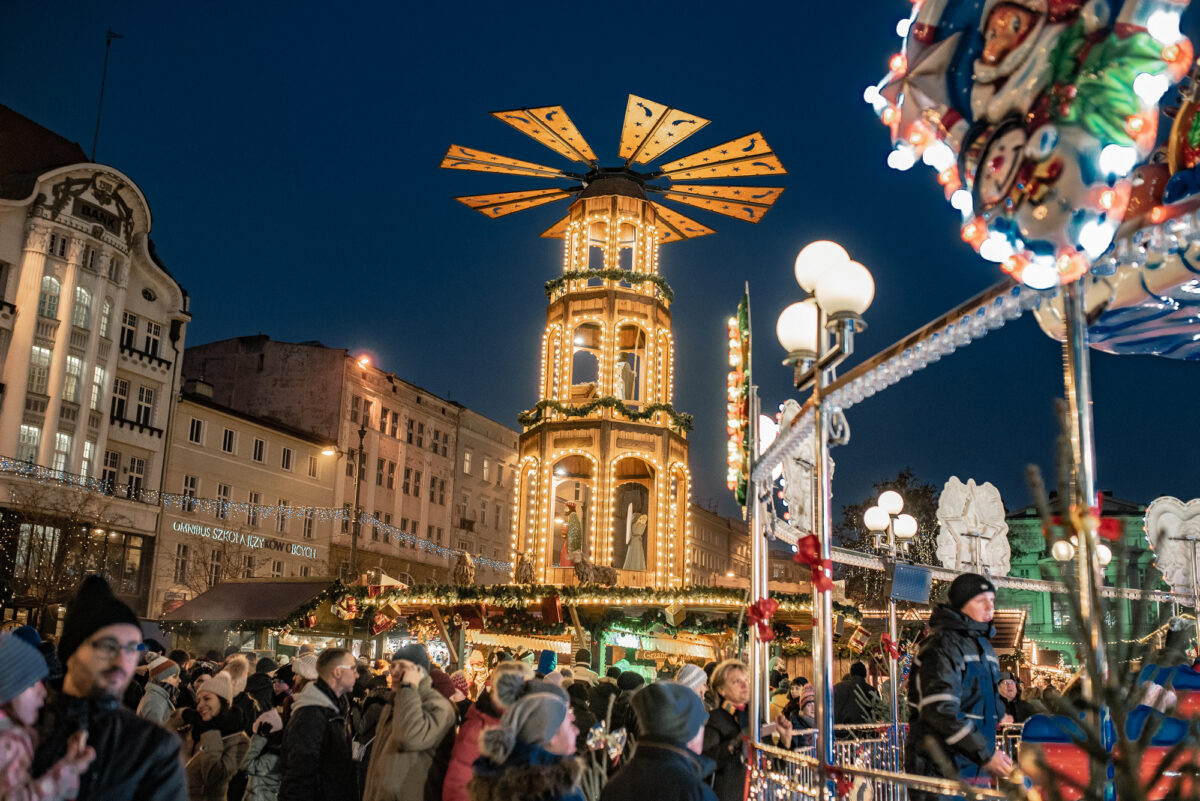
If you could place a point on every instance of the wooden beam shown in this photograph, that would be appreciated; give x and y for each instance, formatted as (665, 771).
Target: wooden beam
(575, 622)
(441, 624)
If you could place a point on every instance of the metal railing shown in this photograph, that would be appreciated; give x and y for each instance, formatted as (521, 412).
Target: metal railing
(869, 757)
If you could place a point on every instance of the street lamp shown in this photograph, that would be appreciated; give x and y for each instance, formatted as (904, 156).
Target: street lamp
(359, 464)
(887, 516)
(818, 334)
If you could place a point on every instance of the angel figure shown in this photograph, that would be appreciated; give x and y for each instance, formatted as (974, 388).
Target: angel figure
(635, 536)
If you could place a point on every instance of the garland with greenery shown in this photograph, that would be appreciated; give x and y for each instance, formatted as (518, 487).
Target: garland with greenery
(611, 275)
(679, 420)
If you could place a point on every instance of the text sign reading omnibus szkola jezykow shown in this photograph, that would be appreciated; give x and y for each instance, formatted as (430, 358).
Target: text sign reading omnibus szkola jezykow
(248, 540)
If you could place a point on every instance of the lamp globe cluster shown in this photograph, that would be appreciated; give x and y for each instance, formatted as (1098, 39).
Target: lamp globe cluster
(841, 288)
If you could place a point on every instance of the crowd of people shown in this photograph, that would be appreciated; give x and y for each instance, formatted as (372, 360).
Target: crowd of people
(105, 714)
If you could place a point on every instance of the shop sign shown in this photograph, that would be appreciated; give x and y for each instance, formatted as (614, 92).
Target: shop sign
(246, 540)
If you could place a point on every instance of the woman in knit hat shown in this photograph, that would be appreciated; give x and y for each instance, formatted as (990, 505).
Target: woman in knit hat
(530, 754)
(162, 683)
(22, 670)
(213, 741)
(498, 693)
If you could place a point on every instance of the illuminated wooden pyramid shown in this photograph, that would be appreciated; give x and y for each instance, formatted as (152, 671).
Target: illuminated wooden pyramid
(603, 476)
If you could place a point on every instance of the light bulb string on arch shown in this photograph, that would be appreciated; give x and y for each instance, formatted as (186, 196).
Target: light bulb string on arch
(221, 508)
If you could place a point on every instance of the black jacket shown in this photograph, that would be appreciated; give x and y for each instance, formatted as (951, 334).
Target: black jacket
(136, 760)
(257, 698)
(661, 771)
(847, 709)
(723, 745)
(315, 758)
(953, 690)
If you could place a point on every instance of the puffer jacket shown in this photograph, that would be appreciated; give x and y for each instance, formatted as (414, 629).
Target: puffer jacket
(529, 774)
(663, 771)
(316, 761)
(953, 691)
(480, 716)
(135, 759)
(724, 745)
(261, 765)
(408, 734)
(157, 703)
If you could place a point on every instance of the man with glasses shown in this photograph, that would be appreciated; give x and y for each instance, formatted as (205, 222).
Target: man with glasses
(101, 646)
(316, 758)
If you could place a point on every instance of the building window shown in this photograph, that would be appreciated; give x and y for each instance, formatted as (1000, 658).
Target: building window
(58, 246)
(258, 452)
(196, 431)
(307, 529)
(433, 441)
(355, 408)
(114, 270)
(137, 474)
(112, 469)
(441, 497)
(314, 469)
(394, 427)
(120, 398)
(224, 493)
(409, 435)
(39, 370)
(391, 476)
(445, 443)
(383, 420)
(191, 486)
(281, 517)
(487, 469)
(145, 406)
(214, 568)
(89, 455)
(153, 338)
(433, 483)
(420, 435)
(228, 441)
(416, 486)
(276, 568)
(380, 468)
(285, 458)
(401, 541)
(407, 480)
(247, 566)
(181, 563)
(467, 462)
(499, 510)
(105, 317)
(351, 463)
(375, 527)
(482, 512)
(499, 474)
(129, 327)
(62, 449)
(97, 388)
(252, 503)
(74, 372)
(48, 299)
(81, 312)
(90, 255)
(305, 571)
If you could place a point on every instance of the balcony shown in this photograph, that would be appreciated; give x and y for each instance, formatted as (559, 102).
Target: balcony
(44, 331)
(68, 412)
(133, 425)
(103, 349)
(153, 361)
(35, 403)
(79, 339)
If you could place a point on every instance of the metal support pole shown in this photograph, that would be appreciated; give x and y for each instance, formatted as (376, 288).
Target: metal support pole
(893, 668)
(823, 601)
(357, 527)
(759, 689)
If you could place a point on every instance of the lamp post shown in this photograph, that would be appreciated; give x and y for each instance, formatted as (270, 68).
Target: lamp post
(818, 334)
(886, 515)
(359, 463)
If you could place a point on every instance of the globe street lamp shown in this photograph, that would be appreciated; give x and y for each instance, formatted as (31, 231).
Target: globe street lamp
(818, 334)
(359, 464)
(886, 516)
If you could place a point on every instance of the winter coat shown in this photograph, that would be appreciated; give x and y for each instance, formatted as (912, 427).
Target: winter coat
(529, 774)
(409, 732)
(156, 704)
(16, 758)
(258, 697)
(316, 764)
(1020, 709)
(605, 689)
(135, 759)
(212, 759)
(847, 709)
(724, 746)
(261, 765)
(584, 673)
(623, 716)
(483, 714)
(953, 690)
(663, 771)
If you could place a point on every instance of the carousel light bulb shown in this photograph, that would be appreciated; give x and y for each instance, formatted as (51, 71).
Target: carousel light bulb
(871, 94)
(906, 526)
(939, 156)
(797, 327)
(1150, 88)
(1104, 554)
(902, 158)
(1038, 274)
(891, 502)
(902, 27)
(1118, 160)
(849, 289)
(961, 200)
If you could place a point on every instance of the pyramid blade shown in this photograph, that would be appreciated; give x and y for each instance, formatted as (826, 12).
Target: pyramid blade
(651, 129)
(738, 158)
(555, 231)
(462, 158)
(551, 126)
(502, 203)
(747, 203)
(672, 222)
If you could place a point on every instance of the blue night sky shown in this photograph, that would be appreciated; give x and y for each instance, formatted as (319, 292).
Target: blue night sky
(289, 152)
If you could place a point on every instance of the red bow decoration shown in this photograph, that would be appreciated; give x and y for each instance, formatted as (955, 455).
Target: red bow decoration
(842, 783)
(760, 615)
(808, 552)
(1108, 528)
(889, 647)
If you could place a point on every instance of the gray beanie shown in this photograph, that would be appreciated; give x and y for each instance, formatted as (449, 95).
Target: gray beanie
(21, 666)
(533, 720)
(691, 676)
(668, 712)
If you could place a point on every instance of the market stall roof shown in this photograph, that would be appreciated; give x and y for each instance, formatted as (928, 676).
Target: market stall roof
(268, 599)
(1009, 623)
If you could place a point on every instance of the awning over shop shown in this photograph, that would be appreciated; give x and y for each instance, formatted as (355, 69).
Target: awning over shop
(491, 639)
(1009, 623)
(259, 600)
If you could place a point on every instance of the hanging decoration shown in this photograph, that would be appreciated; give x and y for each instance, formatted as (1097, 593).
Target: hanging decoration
(889, 648)
(611, 742)
(808, 552)
(621, 276)
(737, 401)
(681, 421)
(858, 640)
(345, 607)
(759, 614)
(1039, 118)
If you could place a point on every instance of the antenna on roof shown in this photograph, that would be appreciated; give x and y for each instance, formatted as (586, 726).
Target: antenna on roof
(108, 37)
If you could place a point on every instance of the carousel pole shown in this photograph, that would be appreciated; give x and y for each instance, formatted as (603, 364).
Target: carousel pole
(760, 696)
(822, 646)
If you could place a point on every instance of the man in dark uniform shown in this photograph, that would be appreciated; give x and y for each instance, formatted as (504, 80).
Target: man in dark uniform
(954, 690)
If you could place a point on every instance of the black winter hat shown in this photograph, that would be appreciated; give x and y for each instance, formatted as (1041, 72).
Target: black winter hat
(668, 712)
(265, 665)
(94, 607)
(631, 680)
(966, 587)
(415, 653)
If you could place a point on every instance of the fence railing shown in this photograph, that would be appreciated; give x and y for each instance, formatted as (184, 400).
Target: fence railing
(870, 758)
